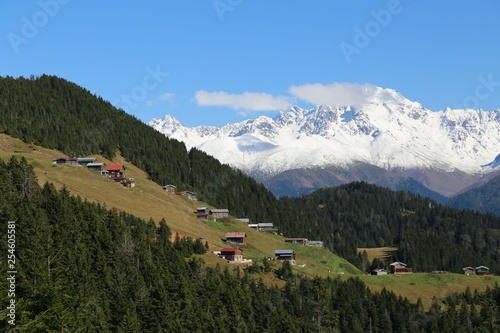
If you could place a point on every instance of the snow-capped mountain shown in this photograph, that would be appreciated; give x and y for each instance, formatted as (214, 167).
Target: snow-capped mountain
(387, 131)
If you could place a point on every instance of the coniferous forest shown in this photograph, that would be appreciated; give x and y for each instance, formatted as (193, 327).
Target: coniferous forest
(84, 268)
(54, 113)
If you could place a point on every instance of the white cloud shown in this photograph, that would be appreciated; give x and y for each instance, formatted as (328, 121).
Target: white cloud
(337, 93)
(251, 101)
(166, 96)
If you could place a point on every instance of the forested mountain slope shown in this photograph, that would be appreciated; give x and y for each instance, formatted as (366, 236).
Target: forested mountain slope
(428, 236)
(485, 198)
(81, 267)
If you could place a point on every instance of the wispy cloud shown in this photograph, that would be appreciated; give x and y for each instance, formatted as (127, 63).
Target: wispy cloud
(250, 101)
(337, 93)
(166, 96)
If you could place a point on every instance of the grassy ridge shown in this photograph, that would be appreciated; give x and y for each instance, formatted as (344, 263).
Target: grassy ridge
(148, 200)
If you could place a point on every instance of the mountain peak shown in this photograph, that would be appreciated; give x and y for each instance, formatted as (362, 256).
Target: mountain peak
(385, 130)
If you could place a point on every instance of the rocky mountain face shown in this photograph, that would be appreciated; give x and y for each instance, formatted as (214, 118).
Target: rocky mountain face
(388, 140)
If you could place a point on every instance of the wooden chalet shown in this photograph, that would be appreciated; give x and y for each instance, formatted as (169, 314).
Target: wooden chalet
(469, 270)
(202, 210)
(232, 254)
(379, 271)
(244, 220)
(398, 267)
(288, 255)
(482, 270)
(188, 194)
(96, 167)
(266, 227)
(169, 188)
(219, 213)
(236, 237)
(60, 160)
(116, 171)
(202, 213)
(72, 161)
(315, 243)
(262, 226)
(301, 241)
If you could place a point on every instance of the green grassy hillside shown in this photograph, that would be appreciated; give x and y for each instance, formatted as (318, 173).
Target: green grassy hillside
(148, 200)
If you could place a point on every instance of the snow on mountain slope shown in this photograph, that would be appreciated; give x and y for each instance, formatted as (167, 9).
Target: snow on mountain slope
(388, 131)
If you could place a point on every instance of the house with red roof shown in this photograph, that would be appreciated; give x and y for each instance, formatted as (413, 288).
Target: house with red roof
(232, 253)
(116, 171)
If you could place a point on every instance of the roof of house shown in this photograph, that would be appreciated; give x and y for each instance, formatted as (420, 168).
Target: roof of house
(230, 249)
(265, 225)
(468, 268)
(86, 159)
(201, 214)
(398, 263)
(223, 210)
(235, 234)
(94, 165)
(482, 268)
(295, 239)
(201, 208)
(185, 192)
(115, 167)
(72, 159)
(243, 219)
(284, 252)
(169, 185)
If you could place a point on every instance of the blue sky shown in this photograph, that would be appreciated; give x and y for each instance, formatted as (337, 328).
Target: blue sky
(221, 61)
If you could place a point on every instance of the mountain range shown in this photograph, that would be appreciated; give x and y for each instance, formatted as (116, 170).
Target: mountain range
(387, 140)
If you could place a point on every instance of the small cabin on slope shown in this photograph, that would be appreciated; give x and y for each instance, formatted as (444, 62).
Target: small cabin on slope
(482, 270)
(96, 167)
(220, 213)
(232, 254)
(469, 270)
(116, 171)
(188, 194)
(169, 188)
(398, 267)
(236, 237)
(288, 255)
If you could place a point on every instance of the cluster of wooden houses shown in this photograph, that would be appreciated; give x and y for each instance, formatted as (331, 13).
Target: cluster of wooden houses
(172, 189)
(304, 241)
(479, 270)
(113, 171)
(235, 254)
(398, 267)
